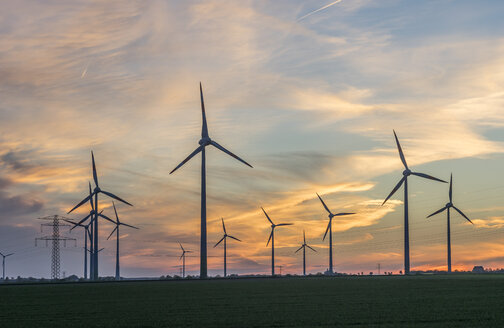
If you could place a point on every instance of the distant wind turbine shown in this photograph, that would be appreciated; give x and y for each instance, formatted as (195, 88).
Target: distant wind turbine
(87, 233)
(3, 263)
(203, 142)
(329, 229)
(272, 239)
(304, 252)
(182, 257)
(447, 208)
(116, 230)
(406, 173)
(97, 190)
(225, 245)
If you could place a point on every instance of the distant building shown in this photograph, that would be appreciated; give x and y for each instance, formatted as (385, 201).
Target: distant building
(478, 269)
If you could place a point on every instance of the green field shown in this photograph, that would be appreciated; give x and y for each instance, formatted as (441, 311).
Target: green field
(394, 301)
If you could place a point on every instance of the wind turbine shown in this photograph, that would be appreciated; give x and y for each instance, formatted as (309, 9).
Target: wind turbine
(406, 173)
(272, 239)
(87, 233)
(225, 245)
(3, 264)
(182, 257)
(329, 229)
(203, 142)
(304, 252)
(89, 228)
(97, 190)
(116, 230)
(447, 208)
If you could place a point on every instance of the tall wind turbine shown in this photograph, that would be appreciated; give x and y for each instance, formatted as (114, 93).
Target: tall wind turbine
(406, 173)
(304, 252)
(225, 245)
(3, 263)
(329, 229)
(116, 230)
(97, 190)
(182, 257)
(447, 208)
(272, 239)
(203, 142)
(89, 229)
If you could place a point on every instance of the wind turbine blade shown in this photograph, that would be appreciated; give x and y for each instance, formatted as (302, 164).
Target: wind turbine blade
(271, 234)
(284, 224)
(204, 128)
(267, 216)
(219, 241)
(106, 218)
(460, 212)
(401, 154)
(451, 187)
(344, 213)
(304, 237)
(82, 202)
(200, 148)
(216, 145)
(300, 248)
(183, 250)
(80, 222)
(91, 196)
(234, 238)
(112, 233)
(181, 256)
(223, 226)
(325, 206)
(398, 185)
(127, 225)
(95, 176)
(111, 195)
(327, 229)
(9, 254)
(426, 176)
(115, 211)
(437, 212)
(310, 248)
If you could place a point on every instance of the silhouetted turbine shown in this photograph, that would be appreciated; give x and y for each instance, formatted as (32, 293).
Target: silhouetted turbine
(447, 208)
(116, 230)
(182, 257)
(406, 173)
(304, 252)
(272, 239)
(97, 190)
(329, 229)
(87, 233)
(3, 264)
(225, 245)
(203, 142)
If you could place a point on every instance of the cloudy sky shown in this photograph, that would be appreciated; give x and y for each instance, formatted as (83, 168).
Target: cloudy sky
(309, 97)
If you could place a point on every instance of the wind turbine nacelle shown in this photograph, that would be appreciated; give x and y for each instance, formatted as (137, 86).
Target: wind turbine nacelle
(406, 172)
(449, 205)
(204, 141)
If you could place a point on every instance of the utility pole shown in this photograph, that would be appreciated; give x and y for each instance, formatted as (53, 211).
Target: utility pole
(379, 268)
(55, 238)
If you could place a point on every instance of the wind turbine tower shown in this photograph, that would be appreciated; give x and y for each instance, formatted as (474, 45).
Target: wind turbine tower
(329, 229)
(225, 245)
(447, 207)
(272, 239)
(203, 142)
(404, 180)
(303, 247)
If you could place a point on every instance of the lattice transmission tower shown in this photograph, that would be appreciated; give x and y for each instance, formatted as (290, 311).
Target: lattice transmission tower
(55, 238)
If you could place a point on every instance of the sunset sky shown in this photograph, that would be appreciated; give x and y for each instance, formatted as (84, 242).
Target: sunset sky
(308, 97)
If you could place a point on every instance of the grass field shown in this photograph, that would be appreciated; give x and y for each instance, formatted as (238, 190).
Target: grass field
(420, 301)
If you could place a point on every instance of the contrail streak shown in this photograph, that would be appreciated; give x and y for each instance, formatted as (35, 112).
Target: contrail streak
(320, 9)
